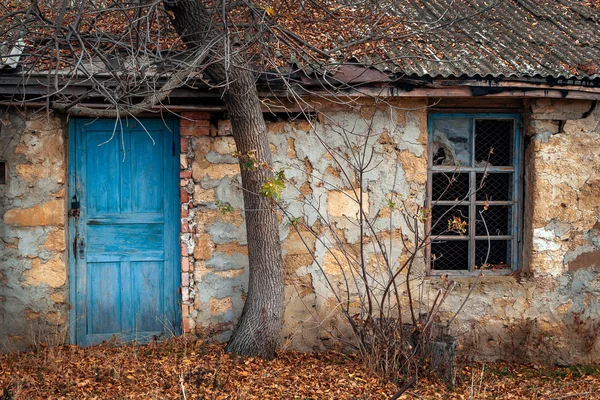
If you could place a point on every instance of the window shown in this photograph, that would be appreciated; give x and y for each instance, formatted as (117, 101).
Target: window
(3, 173)
(473, 192)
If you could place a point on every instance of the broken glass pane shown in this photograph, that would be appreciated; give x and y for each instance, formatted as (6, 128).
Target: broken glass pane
(451, 142)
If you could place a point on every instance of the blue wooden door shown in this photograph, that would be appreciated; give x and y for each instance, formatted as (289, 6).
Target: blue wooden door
(124, 257)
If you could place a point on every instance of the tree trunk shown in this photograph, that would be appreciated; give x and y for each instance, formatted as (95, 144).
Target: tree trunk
(257, 332)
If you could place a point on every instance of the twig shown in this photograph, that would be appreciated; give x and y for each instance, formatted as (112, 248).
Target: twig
(403, 389)
(182, 386)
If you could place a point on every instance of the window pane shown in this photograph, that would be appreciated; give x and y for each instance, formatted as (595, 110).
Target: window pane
(494, 142)
(450, 186)
(497, 220)
(450, 255)
(451, 142)
(499, 256)
(446, 220)
(496, 187)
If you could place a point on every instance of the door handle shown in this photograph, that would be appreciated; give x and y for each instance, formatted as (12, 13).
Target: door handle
(81, 248)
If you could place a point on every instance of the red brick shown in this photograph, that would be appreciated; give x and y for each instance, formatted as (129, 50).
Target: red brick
(184, 212)
(185, 174)
(185, 145)
(195, 131)
(183, 182)
(185, 226)
(185, 264)
(200, 131)
(195, 115)
(184, 254)
(185, 311)
(187, 123)
(184, 196)
(186, 325)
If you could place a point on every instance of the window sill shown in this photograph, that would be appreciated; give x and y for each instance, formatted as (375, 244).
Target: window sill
(454, 274)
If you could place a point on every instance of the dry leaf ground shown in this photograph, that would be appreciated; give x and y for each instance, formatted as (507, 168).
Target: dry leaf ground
(187, 368)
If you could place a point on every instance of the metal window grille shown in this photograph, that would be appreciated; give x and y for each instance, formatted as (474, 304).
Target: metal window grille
(472, 192)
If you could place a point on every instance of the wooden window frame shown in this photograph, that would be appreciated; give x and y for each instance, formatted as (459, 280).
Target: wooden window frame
(515, 201)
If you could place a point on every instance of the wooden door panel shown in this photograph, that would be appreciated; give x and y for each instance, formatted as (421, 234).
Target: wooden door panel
(104, 297)
(124, 257)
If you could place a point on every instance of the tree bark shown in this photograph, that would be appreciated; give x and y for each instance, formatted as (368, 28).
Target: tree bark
(257, 332)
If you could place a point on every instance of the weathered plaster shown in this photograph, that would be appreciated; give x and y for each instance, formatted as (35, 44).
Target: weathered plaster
(547, 312)
(33, 256)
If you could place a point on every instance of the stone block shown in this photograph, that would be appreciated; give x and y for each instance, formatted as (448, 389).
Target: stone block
(276, 127)
(224, 127)
(343, 203)
(558, 109)
(232, 248)
(203, 248)
(35, 172)
(51, 213)
(335, 263)
(53, 273)
(303, 285)
(292, 262)
(203, 196)
(214, 171)
(42, 123)
(299, 242)
(55, 241)
(220, 306)
(57, 298)
(291, 149)
(224, 145)
(230, 274)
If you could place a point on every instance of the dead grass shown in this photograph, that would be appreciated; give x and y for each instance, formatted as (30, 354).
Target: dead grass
(186, 368)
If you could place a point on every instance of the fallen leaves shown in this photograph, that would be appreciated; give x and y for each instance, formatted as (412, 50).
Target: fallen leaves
(204, 371)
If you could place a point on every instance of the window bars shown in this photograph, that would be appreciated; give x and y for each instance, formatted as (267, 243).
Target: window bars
(473, 192)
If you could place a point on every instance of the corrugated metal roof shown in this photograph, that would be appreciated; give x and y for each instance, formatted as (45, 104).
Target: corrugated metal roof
(464, 38)
(498, 38)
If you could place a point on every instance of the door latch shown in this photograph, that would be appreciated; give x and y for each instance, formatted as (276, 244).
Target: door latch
(75, 207)
(81, 248)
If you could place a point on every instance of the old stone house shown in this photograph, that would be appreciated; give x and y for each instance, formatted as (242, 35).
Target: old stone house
(126, 237)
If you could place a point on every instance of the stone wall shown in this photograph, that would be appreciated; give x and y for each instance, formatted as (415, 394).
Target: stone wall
(548, 311)
(33, 274)
(317, 227)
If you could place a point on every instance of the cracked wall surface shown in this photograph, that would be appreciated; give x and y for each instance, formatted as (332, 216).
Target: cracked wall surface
(33, 270)
(547, 311)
